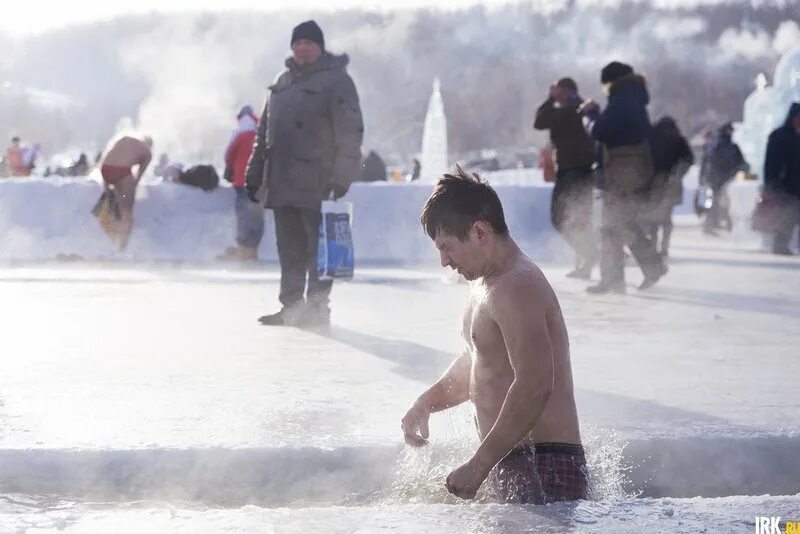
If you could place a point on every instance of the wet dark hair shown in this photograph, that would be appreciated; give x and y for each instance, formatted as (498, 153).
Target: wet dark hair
(458, 201)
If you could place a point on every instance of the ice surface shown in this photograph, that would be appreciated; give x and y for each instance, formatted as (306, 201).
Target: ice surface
(143, 399)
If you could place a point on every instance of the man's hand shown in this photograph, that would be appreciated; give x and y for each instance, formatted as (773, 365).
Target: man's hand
(554, 91)
(251, 192)
(464, 481)
(415, 425)
(588, 106)
(336, 191)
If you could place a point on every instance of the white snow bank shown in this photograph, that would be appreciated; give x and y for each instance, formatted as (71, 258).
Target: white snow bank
(44, 218)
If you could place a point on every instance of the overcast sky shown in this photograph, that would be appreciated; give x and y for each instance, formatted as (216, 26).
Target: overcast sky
(26, 17)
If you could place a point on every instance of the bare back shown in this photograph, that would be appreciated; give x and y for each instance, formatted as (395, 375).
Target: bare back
(491, 371)
(127, 152)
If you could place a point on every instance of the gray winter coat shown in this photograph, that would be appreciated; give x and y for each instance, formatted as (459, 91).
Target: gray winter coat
(309, 136)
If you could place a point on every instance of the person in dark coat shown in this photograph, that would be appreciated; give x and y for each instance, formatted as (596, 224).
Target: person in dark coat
(782, 176)
(721, 162)
(571, 202)
(416, 170)
(374, 169)
(624, 130)
(667, 190)
(307, 149)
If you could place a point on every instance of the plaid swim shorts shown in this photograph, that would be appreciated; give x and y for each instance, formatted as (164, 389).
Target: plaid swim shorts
(542, 473)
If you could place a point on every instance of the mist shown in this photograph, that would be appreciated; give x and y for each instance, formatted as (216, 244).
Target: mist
(181, 78)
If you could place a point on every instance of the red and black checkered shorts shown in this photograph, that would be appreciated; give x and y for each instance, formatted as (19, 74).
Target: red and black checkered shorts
(544, 473)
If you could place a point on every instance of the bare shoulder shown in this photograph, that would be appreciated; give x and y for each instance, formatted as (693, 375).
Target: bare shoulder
(524, 289)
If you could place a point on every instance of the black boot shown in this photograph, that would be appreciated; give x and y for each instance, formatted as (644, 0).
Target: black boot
(604, 288)
(315, 316)
(287, 316)
(584, 272)
(654, 276)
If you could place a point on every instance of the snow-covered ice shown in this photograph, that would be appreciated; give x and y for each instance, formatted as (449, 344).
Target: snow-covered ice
(144, 399)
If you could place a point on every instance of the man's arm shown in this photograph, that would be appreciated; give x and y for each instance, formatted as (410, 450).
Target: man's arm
(523, 323)
(254, 174)
(348, 134)
(232, 149)
(607, 124)
(545, 115)
(146, 157)
(450, 390)
(773, 164)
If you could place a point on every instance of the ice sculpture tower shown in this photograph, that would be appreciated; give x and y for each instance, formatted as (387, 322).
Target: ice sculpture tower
(434, 138)
(765, 109)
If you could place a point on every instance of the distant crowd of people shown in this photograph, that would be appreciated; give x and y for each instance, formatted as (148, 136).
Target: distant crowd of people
(639, 166)
(313, 153)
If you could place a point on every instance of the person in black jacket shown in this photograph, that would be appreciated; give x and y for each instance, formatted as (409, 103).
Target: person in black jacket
(626, 135)
(571, 204)
(782, 176)
(373, 169)
(721, 162)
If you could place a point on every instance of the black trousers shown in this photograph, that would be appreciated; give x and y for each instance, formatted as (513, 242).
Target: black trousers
(297, 233)
(790, 218)
(571, 212)
(621, 228)
(719, 215)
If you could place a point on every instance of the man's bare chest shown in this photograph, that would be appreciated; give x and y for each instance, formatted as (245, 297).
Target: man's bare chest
(481, 332)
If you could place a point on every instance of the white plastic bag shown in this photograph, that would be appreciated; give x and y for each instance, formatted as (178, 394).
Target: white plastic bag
(335, 255)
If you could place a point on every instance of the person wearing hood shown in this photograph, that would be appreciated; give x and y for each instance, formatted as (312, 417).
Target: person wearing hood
(782, 176)
(626, 135)
(571, 202)
(249, 215)
(307, 149)
(721, 161)
(374, 168)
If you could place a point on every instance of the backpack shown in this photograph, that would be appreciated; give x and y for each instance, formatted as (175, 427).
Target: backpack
(203, 176)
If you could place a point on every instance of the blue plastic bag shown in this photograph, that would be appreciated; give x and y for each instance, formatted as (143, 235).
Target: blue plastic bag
(335, 256)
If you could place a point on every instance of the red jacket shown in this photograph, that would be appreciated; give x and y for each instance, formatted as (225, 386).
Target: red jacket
(240, 148)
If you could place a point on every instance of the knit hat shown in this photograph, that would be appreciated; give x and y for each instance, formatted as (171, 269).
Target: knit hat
(246, 110)
(309, 30)
(567, 83)
(614, 71)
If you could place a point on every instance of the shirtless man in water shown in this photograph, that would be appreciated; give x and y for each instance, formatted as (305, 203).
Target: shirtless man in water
(117, 171)
(516, 366)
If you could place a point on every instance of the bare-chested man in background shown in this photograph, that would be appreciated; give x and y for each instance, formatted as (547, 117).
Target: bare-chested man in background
(516, 366)
(117, 171)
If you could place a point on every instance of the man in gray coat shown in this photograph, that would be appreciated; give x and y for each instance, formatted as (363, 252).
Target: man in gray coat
(307, 149)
